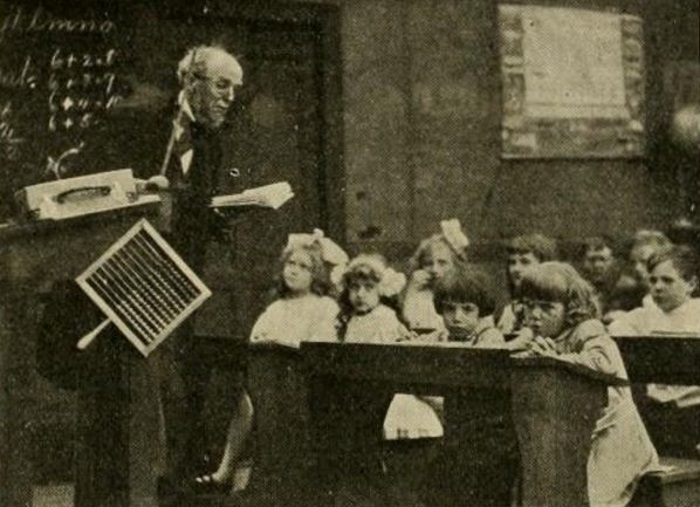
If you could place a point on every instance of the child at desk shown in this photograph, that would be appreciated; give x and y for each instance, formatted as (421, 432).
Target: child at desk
(482, 472)
(561, 315)
(368, 298)
(672, 413)
(369, 287)
(367, 301)
(302, 311)
(434, 258)
(466, 303)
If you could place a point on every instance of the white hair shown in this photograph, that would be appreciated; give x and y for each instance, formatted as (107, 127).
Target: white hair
(195, 63)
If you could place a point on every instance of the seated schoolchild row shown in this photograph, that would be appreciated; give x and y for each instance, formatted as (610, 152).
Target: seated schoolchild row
(627, 286)
(620, 285)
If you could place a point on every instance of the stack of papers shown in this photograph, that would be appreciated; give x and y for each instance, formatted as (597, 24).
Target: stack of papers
(268, 196)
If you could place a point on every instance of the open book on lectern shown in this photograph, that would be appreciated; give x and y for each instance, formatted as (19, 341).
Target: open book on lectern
(268, 196)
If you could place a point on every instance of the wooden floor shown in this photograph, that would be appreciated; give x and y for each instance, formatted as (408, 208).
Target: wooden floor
(405, 464)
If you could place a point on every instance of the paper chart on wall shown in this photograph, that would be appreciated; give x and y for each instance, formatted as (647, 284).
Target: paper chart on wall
(573, 83)
(573, 64)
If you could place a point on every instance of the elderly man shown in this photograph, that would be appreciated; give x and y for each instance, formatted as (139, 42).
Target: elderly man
(208, 76)
(193, 161)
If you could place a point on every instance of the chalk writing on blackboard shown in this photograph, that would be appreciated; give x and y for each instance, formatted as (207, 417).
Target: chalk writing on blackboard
(9, 140)
(81, 85)
(59, 77)
(19, 78)
(56, 166)
(40, 20)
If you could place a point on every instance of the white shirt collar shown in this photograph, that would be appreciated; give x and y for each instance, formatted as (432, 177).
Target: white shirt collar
(185, 106)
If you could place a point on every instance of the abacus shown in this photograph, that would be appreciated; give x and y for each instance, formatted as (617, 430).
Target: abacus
(143, 286)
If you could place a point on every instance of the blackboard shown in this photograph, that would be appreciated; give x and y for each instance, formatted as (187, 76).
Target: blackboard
(87, 87)
(59, 78)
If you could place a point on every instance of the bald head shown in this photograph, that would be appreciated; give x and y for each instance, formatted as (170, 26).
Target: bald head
(209, 75)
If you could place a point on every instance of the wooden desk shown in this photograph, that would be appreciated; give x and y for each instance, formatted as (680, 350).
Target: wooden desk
(662, 359)
(666, 360)
(554, 409)
(32, 257)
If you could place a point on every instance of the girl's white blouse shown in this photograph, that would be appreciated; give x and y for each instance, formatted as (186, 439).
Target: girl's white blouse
(290, 321)
(380, 325)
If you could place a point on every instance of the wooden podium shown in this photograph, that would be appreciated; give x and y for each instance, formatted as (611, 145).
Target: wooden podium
(118, 455)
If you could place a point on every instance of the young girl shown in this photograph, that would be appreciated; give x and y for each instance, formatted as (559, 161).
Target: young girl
(672, 412)
(302, 312)
(435, 257)
(466, 303)
(562, 314)
(369, 292)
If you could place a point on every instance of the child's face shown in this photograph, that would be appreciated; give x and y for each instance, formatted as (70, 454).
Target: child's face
(297, 272)
(597, 263)
(668, 288)
(363, 295)
(545, 318)
(639, 257)
(461, 319)
(518, 263)
(439, 262)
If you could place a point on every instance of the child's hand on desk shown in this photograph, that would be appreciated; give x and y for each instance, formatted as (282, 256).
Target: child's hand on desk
(522, 340)
(541, 346)
(408, 336)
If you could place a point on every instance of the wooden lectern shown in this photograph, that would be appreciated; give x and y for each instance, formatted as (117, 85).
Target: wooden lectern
(118, 423)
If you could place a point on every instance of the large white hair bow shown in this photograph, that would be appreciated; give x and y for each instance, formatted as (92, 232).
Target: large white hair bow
(453, 234)
(330, 251)
(391, 282)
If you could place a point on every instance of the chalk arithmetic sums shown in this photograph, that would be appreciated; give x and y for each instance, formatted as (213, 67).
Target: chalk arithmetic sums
(81, 85)
(58, 79)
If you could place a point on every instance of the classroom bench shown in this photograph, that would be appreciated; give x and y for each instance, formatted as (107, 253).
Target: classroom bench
(669, 360)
